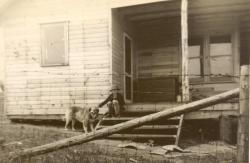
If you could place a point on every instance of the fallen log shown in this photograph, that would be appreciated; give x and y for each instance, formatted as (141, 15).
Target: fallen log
(168, 113)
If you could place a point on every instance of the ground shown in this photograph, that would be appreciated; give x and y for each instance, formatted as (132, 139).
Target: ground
(16, 137)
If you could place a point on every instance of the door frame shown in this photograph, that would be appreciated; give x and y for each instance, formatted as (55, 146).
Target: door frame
(124, 67)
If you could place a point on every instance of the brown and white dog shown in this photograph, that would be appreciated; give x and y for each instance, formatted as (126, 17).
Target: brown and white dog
(85, 115)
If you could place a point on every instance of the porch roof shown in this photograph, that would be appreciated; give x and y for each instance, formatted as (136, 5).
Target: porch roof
(201, 13)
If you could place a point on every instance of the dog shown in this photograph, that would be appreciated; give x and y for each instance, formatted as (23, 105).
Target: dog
(85, 115)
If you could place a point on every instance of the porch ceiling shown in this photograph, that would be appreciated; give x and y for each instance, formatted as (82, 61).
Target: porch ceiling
(201, 13)
(141, 13)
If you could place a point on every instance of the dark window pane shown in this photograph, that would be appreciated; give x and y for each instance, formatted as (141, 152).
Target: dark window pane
(128, 88)
(220, 39)
(128, 55)
(245, 48)
(195, 41)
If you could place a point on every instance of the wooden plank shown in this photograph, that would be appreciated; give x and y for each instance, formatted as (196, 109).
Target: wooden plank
(155, 15)
(162, 61)
(202, 115)
(154, 7)
(131, 118)
(221, 8)
(36, 117)
(243, 122)
(179, 130)
(52, 113)
(184, 51)
(156, 107)
(140, 136)
(193, 106)
(151, 127)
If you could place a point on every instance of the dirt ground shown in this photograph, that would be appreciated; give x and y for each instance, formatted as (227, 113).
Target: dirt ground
(15, 137)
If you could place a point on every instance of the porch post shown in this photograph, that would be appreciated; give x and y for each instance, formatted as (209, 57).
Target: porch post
(184, 51)
(243, 122)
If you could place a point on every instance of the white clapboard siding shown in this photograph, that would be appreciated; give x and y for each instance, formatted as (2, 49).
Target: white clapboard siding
(32, 89)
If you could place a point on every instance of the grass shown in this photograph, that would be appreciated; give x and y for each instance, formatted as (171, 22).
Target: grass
(92, 152)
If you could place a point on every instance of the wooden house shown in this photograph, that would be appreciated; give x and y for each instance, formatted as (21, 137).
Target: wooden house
(161, 53)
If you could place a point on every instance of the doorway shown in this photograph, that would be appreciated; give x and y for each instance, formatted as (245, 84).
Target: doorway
(128, 76)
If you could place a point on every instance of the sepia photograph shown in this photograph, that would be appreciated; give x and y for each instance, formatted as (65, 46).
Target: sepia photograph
(124, 81)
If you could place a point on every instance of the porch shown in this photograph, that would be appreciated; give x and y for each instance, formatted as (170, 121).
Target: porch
(164, 54)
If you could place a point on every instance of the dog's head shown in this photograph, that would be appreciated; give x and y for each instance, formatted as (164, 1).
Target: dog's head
(95, 110)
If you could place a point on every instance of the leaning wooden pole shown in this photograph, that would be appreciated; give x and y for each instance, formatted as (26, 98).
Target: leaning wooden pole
(243, 122)
(193, 106)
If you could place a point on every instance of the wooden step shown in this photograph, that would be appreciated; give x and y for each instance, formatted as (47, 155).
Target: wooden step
(151, 127)
(141, 136)
(129, 118)
(149, 107)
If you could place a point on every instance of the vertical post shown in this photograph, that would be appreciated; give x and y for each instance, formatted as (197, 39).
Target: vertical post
(184, 51)
(243, 122)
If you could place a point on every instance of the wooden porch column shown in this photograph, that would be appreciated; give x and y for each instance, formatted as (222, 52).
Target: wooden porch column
(243, 122)
(184, 51)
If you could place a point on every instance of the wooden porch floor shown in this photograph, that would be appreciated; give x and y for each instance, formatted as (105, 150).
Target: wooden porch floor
(212, 112)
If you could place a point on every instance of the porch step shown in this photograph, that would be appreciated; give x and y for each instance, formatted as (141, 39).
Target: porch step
(151, 127)
(131, 118)
(141, 136)
(166, 130)
(143, 108)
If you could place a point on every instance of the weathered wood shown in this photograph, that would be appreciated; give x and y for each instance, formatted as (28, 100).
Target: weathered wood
(243, 123)
(151, 127)
(141, 136)
(86, 37)
(168, 113)
(159, 61)
(184, 51)
(179, 130)
(57, 113)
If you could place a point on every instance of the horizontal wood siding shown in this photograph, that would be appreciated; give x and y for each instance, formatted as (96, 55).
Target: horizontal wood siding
(158, 49)
(32, 89)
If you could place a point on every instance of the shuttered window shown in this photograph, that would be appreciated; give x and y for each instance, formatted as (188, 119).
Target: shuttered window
(54, 41)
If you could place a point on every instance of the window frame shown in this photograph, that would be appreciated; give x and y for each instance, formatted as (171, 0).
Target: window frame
(220, 78)
(206, 76)
(193, 42)
(66, 44)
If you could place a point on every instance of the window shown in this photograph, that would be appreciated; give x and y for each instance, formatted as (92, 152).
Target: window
(195, 52)
(216, 60)
(221, 63)
(54, 44)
